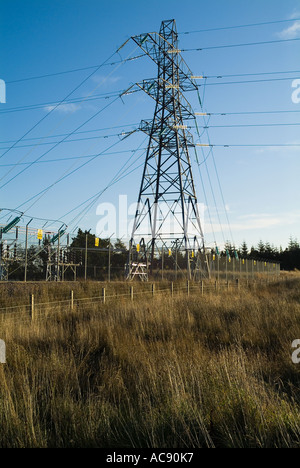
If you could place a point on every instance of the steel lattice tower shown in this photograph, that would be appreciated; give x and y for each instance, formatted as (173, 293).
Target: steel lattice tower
(167, 214)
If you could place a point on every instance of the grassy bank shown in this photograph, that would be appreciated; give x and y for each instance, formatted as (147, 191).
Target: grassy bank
(212, 371)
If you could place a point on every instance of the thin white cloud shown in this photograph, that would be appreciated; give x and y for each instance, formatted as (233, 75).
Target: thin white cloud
(292, 32)
(284, 151)
(295, 15)
(100, 79)
(255, 221)
(63, 108)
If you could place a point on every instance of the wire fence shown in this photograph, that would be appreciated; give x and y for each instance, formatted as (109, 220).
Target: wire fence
(230, 268)
(30, 254)
(33, 310)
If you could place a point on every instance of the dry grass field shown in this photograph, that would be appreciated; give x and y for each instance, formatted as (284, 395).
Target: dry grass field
(161, 372)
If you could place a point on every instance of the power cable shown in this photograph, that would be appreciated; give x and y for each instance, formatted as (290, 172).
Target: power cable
(67, 117)
(77, 133)
(247, 113)
(204, 192)
(78, 100)
(60, 179)
(253, 125)
(55, 107)
(221, 76)
(47, 161)
(67, 174)
(224, 28)
(95, 198)
(217, 175)
(256, 145)
(270, 80)
(74, 139)
(47, 75)
(55, 145)
(209, 180)
(121, 174)
(248, 44)
(117, 93)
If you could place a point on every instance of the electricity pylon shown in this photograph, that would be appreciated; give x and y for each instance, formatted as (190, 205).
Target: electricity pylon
(167, 215)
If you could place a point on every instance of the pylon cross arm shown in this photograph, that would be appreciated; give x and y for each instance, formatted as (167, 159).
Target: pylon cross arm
(155, 44)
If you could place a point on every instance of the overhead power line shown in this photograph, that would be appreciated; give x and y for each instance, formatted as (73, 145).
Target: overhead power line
(261, 145)
(67, 174)
(55, 145)
(253, 125)
(269, 80)
(91, 67)
(122, 134)
(88, 156)
(73, 70)
(51, 104)
(72, 140)
(247, 113)
(121, 173)
(251, 25)
(96, 67)
(71, 133)
(79, 100)
(247, 44)
(71, 170)
(127, 133)
(133, 125)
(70, 158)
(64, 176)
(237, 75)
(55, 107)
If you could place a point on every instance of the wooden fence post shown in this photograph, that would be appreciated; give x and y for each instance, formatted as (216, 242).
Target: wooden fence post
(32, 311)
(72, 299)
(103, 295)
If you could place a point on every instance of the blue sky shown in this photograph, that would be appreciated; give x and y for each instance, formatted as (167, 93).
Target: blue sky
(260, 184)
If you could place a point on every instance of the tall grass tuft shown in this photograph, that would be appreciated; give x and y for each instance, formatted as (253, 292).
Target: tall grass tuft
(161, 372)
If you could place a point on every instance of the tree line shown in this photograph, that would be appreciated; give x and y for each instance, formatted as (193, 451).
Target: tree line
(289, 258)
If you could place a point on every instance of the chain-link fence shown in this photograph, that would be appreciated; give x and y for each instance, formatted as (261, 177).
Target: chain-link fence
(31, 254)
(230, 268)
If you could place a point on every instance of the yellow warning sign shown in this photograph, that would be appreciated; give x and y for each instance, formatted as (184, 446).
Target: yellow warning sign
(40, 234)
(97, 241)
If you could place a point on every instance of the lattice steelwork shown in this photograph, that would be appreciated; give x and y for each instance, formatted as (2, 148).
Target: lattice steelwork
(167, 214)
